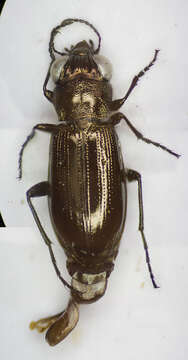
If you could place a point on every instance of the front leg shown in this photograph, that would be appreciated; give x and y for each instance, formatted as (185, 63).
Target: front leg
(48, 93)
(116, 104)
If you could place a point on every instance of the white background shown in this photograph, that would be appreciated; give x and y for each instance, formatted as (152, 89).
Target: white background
(132, 320)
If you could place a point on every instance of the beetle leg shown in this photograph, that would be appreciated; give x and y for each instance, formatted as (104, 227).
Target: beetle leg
(42, 189)
(133, 175)
(48, 93)
(116, 104)
(116, 118)
(43, 127)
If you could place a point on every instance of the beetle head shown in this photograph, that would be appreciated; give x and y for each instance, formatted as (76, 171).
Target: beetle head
(82, 48)
(81, 60)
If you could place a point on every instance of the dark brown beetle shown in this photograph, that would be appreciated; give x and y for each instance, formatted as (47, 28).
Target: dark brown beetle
(87, 179)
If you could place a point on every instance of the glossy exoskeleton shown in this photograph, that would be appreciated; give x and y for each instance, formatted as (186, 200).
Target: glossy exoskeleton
(87, 179)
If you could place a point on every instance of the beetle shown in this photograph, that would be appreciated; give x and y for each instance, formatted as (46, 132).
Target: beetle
(86, 188)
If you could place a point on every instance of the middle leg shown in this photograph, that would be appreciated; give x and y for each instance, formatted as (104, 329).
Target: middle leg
(116, 118)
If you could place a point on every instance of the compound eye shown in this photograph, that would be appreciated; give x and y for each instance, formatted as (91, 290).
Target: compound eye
(57, 67)
(104, 66)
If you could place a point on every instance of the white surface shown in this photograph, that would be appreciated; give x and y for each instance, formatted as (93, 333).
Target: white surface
(130, 321)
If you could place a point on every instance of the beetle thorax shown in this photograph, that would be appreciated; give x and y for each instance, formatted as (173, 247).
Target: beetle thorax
(81, 99)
